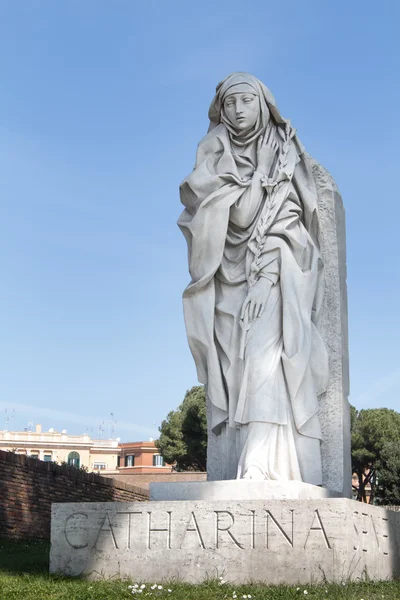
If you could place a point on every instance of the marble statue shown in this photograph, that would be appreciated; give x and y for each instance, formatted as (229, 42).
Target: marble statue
(253, 306)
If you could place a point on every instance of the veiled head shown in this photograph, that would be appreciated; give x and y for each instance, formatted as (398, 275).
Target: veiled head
(243, 95)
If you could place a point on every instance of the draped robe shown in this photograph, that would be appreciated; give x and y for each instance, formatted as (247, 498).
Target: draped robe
(271, 395)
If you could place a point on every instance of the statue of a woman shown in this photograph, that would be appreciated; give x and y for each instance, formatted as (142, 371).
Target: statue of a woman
(252, 307)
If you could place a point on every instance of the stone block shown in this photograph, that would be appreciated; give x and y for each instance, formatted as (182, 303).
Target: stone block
(239, 489)
(271, 541)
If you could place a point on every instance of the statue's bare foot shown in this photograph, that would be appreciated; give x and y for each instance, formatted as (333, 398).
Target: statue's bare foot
(254, 473)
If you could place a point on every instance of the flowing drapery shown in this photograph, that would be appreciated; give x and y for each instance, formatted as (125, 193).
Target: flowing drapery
(272, 394)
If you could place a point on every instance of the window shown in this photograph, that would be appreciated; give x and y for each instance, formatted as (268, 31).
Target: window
(34, 455)
(47, 458)
(130, 460)
(99, 466)
(158, 460)
(74, 459)
(118, 462)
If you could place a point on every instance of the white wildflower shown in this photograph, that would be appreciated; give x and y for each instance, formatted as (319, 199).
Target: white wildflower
(305, 592)
(159, 587)
(153, 587)
(142, 586)
(169, 590)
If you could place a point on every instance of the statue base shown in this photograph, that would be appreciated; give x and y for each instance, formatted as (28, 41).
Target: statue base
(239, 489)
(270, 541)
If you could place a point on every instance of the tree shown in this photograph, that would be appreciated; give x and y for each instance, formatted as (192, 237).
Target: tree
(388, 480)
(375, 434)
(183, 434)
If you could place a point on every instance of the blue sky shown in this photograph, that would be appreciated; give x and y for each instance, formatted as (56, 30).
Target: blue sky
(102, 105)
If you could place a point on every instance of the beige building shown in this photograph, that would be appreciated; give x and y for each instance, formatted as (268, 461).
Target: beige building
(77, 450)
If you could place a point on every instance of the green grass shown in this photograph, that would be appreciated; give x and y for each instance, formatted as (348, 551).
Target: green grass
(24, 576)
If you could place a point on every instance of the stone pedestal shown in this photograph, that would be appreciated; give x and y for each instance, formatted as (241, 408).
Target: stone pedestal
(239, 489)
(272, 541)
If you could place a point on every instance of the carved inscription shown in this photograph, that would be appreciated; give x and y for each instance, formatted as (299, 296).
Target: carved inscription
(223, 524)
(369, 537)
(74, 526)
(253, 528)
(385, 536)
(107, 529)
(317, 525)
(129, 528)
(245, 529)
(151, 529)
(192, 525)
(271, 521)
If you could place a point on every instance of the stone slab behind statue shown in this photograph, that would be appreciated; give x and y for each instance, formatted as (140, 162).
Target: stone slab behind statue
(239, 489)
(334, 409)
(272, 541)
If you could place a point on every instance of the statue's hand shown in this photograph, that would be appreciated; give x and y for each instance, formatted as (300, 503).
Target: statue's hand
(256, 299)
(267, 148)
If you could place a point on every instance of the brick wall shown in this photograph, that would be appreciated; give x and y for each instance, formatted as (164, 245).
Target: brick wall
(143, 480)
(28, 487)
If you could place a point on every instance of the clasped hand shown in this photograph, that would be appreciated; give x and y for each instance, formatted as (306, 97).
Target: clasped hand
(256, 299)
(267, 148)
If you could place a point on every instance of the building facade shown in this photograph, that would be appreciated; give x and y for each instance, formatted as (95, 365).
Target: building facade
(59, 447)
(141, 457)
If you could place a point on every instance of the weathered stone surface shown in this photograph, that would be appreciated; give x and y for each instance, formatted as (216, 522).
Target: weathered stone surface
(274, 541)
(334, 409)
(239, 489)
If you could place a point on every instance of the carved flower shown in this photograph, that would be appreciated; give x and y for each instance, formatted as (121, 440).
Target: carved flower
(268, 184)
(283, 175)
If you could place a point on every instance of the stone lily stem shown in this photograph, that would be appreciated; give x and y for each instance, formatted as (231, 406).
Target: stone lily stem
(271, 186)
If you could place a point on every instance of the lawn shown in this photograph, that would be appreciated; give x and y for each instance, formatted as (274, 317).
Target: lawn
(24, 576)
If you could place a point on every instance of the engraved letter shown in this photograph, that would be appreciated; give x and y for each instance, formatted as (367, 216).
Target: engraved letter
(280, 529)
(167, 529)
(253, 528)
(368, 527)
(356, 530)
(385, 535)
(78, 527)
(364, 529)
(107, 529)
(318, 527)
(195, 528)
(128, 543)
(227, 529)
(375, 532)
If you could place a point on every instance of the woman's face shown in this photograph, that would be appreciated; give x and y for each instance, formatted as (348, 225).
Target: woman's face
(242, 110)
